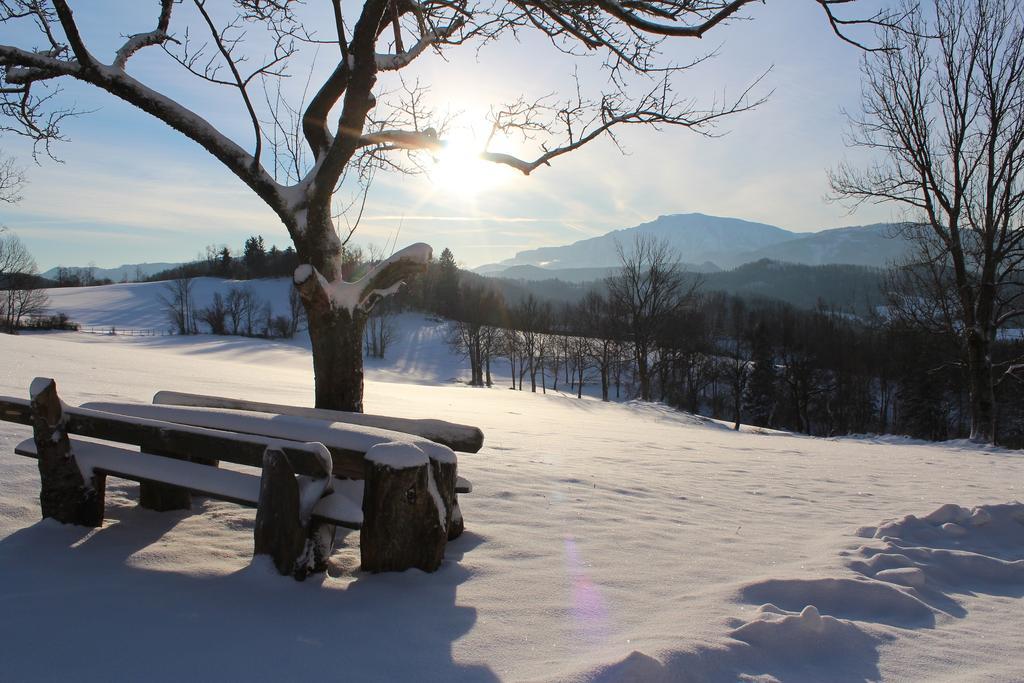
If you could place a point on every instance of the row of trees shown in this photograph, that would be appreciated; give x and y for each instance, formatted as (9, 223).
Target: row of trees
(254, 260)
(241, 312)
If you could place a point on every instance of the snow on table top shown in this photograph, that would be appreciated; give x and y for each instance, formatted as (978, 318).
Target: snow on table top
(315, 448)
(397, 456)
(332, 434)
(431, 429)
(603, 542)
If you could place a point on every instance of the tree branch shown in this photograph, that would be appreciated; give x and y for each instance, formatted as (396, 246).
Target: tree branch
(142, 40)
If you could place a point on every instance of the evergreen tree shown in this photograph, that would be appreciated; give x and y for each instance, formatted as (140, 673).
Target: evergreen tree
(224, 262)
(255, 256)
(447, 288)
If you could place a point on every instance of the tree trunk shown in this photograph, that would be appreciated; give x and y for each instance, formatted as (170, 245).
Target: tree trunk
(979, 370)
(336, 337)
(604, 381)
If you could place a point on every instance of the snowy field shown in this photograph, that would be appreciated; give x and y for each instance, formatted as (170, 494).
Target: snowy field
(604, 542)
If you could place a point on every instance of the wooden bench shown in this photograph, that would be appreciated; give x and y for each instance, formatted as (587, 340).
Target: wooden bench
(398, 489)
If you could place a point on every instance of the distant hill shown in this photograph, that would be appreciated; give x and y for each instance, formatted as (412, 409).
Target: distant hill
(534, 273)
(128, 271)
(870, 245)
(841, 286)
(845, 287)
(697, 237)
(714, 243)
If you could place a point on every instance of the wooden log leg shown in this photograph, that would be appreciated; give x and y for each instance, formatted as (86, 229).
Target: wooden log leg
(404, 514)
(278, 531)
(66, 495)
(319, 546)
(163, 497)
(297, 548)
(444, 468)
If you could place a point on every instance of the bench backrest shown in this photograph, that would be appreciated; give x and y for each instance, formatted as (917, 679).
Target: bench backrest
(178, 440)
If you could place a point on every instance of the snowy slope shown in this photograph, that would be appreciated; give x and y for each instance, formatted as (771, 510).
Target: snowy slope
(604, 542)
(139, 304)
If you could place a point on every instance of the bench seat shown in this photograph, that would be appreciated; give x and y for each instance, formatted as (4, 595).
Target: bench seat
(342, 507)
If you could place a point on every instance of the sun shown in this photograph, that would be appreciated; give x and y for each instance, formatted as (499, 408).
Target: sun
(458, 169)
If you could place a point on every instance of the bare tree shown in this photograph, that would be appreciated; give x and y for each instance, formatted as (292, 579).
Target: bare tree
(179, 305)
(364, 116)
(597, 323)
(471, 332)
(12, 178)
(511, 347)
(20, 294)
(649, 290)
(215, 315)
(379, 331)
(736, 365)
(944, 104)
(296, 313)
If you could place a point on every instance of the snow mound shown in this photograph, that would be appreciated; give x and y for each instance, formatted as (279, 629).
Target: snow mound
(848, 598)
(798, 636)
(951, 550)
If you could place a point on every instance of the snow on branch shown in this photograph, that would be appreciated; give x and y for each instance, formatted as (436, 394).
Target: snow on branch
(428, 38)
(139, 41)
(382, 280)
(404, 139)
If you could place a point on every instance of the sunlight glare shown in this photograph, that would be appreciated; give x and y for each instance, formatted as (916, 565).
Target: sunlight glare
(459, 171)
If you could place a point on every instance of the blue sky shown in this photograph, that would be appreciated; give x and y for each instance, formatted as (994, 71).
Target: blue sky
(130, 189)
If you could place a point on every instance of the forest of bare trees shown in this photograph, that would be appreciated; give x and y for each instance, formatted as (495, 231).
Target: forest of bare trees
(754, 361)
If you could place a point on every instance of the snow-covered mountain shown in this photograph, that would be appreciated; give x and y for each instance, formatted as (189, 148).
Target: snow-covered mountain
(717, 242)
(869, 245)
(697, 238)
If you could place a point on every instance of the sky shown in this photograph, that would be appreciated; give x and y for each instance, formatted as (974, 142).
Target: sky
(128, 189)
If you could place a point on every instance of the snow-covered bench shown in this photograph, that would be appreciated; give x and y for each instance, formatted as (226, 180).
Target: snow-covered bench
(458, 437)
(406, 508)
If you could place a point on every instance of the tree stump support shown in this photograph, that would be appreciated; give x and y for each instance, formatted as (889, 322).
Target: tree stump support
(163, 497)
(284, 530)
(67, 495)
(408, 504)
(458, 524)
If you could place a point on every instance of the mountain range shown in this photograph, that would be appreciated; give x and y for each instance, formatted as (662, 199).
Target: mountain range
(126, 272)
(708, 244)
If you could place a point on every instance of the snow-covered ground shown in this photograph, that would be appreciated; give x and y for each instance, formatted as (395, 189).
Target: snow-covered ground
(604, 542)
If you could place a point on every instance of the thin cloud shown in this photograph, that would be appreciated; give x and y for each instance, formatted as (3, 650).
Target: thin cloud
(460, 219)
